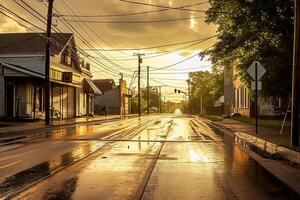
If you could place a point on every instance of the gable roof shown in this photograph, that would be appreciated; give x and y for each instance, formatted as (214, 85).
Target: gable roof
(32, 43)
(105, 84)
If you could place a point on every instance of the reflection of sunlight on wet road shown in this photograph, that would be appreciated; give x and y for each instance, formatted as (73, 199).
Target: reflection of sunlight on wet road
(170, 166)
(178, 112)
(197, 157)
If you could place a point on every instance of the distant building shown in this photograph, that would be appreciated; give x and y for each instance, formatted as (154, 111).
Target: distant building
(115, 98)
(22, 72)
(238, 99)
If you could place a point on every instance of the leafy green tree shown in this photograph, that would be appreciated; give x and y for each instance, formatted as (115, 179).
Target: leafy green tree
(255, 29)
(152, 96)
(134, 104)
(206, 85)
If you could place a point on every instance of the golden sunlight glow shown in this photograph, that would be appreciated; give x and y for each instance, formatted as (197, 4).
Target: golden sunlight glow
(11, 26)
(193, 24)
(196, 157)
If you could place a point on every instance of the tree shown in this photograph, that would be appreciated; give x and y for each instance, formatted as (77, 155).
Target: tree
(152, 95)
(255, 29)
(208, 85)
(134, 104)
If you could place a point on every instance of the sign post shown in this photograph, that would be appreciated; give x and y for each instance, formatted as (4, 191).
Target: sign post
(256, 71)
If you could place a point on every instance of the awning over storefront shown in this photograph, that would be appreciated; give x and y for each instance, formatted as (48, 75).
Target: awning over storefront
(92, 86)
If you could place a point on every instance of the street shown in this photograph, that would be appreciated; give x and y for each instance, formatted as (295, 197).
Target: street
(151, 157)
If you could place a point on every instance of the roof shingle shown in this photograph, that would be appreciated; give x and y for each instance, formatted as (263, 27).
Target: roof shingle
(31, 43)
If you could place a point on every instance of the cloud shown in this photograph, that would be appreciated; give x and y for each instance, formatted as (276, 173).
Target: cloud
(9, 26)
(128, 35)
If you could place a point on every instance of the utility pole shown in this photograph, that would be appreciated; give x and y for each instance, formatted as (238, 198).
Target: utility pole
(189, 94)
(47, 62)
(121, 94)
(148, 109)
(164, 104)
(159, 99)
(139, 82)
(296, 78)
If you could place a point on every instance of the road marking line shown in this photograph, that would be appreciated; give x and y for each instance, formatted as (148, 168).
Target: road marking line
(11, 164)
(10, 157)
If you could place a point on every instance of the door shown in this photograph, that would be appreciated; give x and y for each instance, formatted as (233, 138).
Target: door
(71, 102)
(9, 99)
(57, 91)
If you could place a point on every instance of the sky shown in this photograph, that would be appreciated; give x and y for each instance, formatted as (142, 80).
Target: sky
(108, 42)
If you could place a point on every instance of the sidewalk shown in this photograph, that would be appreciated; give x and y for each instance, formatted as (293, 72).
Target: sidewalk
(270, 134)
(268, 139)
(8, 128)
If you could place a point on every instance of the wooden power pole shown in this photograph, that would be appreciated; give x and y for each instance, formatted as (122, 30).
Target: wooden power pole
(148, 109)
(47, 62)
(159, 99)
(296, 78)
(139, 82)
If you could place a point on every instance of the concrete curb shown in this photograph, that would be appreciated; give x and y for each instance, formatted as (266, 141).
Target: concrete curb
(285, 173)
(268, 147)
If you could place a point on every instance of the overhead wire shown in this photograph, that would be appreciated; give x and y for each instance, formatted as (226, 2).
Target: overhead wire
(151, 47)
(150, 70)
(106, 59)
(97, 35)
(51, 40)
(14, 14)
(163, 53)
(134, 22)
(161, 6)
(42, 20)
(135, 13)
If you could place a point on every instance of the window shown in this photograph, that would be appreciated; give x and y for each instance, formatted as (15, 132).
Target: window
(277, 102)
(246, 98)
(242, 98)
(54, 74)
(66, 56)
(39, 99)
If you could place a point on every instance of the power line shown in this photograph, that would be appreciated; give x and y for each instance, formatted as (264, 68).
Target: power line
(163, 53)
(161, 6)
(75, 58)
(15, 15)
(152, 47)
(98, 36)
(168, 66)
(182, 61)
(169, 79)
(134, 22)
(182, 72)
(108, 60)
(81, 38)
(174, 8)
(166, 85)
(18, 16)
(135, 13)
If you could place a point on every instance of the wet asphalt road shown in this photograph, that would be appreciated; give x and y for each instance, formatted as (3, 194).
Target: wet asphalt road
(155, 157)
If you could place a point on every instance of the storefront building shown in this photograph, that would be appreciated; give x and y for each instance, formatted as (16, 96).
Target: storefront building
(22, 64)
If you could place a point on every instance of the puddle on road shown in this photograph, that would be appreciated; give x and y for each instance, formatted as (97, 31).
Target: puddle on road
(44, 169)
(62, 133)
(37, 172)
